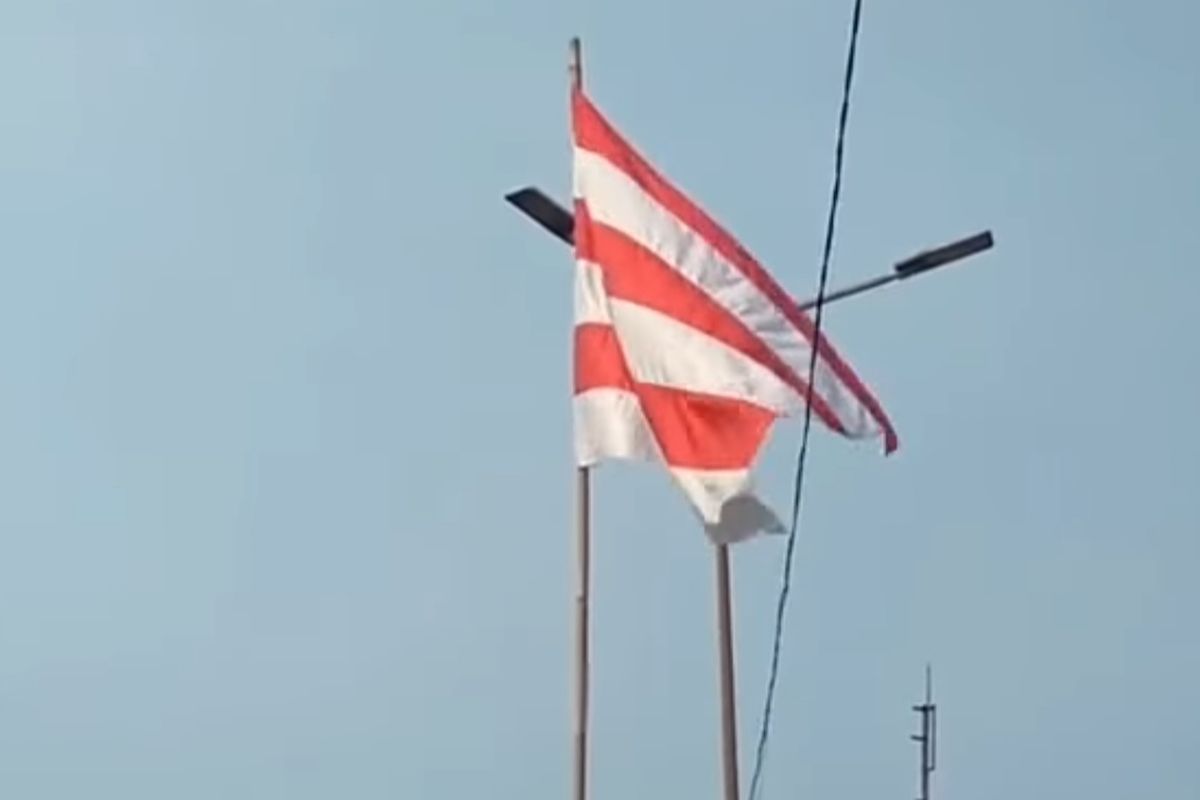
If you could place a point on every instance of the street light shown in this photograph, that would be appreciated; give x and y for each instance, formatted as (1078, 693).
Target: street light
(542, 209)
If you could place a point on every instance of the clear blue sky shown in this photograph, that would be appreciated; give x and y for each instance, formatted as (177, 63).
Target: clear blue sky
(284, 413)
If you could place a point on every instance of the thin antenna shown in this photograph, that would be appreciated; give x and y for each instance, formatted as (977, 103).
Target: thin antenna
(928, 735)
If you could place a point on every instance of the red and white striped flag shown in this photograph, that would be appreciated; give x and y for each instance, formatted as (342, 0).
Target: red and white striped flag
(686, 350)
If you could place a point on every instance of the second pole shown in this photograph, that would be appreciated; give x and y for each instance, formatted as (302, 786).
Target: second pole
(729, 749)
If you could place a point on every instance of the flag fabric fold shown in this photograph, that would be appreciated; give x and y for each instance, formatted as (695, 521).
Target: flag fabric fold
(686, 349)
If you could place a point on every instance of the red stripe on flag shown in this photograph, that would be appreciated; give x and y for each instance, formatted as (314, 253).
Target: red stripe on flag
(594, 133)
(633, 273)
(696, 431)
(598, 359)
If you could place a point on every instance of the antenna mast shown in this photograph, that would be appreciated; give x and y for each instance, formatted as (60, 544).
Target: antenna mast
(928, 735)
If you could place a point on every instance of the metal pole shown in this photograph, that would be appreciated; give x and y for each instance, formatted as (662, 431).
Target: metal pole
(925, 757)
(928, 735)
(582, 592)
(729, 754)
(850, 291)
(583, 546)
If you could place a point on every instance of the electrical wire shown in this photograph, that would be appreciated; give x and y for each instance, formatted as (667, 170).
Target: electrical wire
(798, 493)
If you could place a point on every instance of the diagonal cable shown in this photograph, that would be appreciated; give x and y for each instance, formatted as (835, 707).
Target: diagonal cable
(798, 493)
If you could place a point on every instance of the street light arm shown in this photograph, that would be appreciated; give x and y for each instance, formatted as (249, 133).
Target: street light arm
(542, 209)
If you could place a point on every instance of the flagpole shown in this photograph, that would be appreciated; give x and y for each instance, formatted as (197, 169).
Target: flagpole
(583, 589)
(583, 546)
(729, 755)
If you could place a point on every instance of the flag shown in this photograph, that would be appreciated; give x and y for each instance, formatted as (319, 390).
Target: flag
(686, 349)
